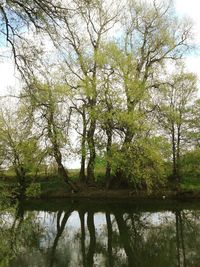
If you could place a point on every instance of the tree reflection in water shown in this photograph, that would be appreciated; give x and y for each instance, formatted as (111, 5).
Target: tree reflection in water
(101, 235)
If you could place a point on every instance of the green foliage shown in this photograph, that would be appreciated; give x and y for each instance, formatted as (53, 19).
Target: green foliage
(108, 89)
(5, 195)
(100, 162)
(189, 165)
(33, 191)
(141, 163)
(23, 153)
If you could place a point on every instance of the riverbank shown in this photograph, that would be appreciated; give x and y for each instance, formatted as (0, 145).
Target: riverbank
(55, 188)
(47, 187)
(98, 193)
(106, 205)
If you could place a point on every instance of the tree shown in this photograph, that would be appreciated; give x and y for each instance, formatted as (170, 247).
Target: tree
(176, 101)
(153, 36)
(110, 85)
(18, 141)
(80, 119)
(18, 16)
(45, 100)
(81, 46)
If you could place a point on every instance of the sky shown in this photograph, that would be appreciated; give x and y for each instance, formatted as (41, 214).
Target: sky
(7, 77)
(191, 8)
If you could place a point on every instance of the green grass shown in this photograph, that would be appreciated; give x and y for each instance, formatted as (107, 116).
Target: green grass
(52, 185)
(191, 183)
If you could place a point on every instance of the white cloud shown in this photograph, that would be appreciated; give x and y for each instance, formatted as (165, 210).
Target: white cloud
(193, 64)
(185, 7)
(7, 77)
(191, 9)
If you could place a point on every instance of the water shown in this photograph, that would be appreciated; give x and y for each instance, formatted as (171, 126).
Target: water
(96, 233)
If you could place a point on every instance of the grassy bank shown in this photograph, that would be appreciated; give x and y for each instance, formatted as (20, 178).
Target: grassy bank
(51, 186)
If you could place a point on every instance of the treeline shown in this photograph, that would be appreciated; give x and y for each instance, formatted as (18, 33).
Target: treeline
(101, 80)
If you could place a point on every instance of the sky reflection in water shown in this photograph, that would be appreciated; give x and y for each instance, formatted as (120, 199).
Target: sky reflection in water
(100, 235)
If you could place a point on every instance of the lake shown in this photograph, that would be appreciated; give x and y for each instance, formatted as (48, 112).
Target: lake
(100, 233)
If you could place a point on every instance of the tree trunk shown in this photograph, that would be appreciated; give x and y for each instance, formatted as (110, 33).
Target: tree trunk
(82, 222)
(178, 154)
(177, 239)
(91, 229)
(20, 173)
(108, 164)
(91, 145)
(182, 239)
(125, 237)
(53, 136)
(174, 154)
(109, 247)
(82, 176)
(61, 223)
(128, 137)
(61, 170)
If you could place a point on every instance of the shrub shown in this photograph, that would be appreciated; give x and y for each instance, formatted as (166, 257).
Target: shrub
(34, 190)
(141, 163)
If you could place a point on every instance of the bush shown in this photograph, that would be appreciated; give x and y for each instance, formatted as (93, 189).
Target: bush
(190, 168)
(34, 190)
(141, 164)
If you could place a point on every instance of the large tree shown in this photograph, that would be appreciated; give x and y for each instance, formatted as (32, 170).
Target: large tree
(80, 48)
(154, 37)
(46, 108)
(174, 113)
(20, 146)
(18, 16)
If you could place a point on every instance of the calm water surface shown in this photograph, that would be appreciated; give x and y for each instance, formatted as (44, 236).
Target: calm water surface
(96, 233)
